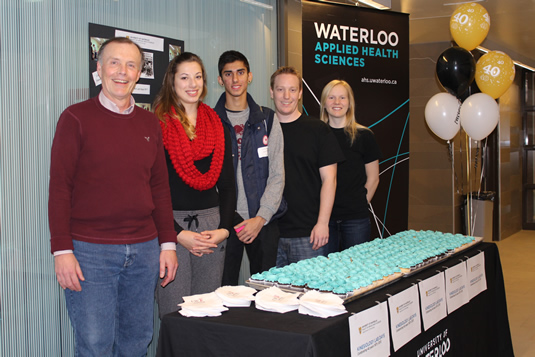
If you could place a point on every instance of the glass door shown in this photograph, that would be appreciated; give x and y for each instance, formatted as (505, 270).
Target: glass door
(528, 175)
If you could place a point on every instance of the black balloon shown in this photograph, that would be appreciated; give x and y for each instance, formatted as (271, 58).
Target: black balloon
(456, 68)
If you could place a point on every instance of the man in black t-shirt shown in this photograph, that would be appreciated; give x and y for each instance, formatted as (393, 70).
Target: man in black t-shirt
(311, 154)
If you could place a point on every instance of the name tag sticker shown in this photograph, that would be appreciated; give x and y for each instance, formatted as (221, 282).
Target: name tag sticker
(96, 79)
(263, 152)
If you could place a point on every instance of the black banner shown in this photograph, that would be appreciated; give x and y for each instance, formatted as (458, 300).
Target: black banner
(370, 50)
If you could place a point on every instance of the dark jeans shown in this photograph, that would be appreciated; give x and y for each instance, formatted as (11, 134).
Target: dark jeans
(347, 233)
(292, 250)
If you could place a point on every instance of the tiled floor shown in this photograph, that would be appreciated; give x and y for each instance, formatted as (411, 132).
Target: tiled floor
(517, 254)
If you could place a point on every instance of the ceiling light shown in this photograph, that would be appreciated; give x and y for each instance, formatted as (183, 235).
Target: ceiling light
(378, 4)
(258, 3)
(462, 2)
(520, 64)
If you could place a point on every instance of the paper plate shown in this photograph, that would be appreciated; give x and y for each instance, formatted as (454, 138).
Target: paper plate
(192, 313)
(281, 309)
(275, 300)
(322, 299)
(236, 295)
(275, 296)
(203, 302)
(202, 299)
(303, 309)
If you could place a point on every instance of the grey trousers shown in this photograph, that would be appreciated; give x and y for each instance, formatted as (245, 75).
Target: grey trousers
(195, 275)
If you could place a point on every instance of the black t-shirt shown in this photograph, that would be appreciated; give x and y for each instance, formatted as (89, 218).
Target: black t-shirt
(309, 145)
(350, 200)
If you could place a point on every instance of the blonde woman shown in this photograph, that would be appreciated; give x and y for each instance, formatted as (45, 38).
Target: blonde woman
(358, 176)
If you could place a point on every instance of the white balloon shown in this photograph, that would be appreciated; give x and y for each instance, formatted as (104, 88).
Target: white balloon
(479, 115)
(442, 115)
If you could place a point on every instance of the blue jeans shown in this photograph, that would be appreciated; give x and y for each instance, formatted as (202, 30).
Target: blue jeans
(292, 250)
(113, 314)
(347, 233)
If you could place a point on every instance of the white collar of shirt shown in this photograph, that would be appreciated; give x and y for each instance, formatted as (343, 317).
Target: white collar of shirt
(108, 104)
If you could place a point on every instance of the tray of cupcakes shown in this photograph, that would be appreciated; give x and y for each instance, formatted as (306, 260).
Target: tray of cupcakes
(367, 267)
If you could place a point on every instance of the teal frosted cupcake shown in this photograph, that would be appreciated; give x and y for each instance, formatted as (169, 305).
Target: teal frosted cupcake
(314, 284)
(284, 281)
(257, 278)
(271, 279)
(341, 291)
(326, 288)
(298, 283)
(275, 271)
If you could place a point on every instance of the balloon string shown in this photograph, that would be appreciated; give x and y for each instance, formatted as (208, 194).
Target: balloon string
(451, 152)
(474, 212)
(462, 166)
(482, 176)
(477, 155)
(470, 179)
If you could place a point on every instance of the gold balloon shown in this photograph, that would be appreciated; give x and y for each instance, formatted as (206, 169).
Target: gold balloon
(469, 25)
(495, 72)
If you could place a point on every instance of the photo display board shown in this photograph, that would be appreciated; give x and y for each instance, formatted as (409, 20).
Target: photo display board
(158, 51)
(369, 49)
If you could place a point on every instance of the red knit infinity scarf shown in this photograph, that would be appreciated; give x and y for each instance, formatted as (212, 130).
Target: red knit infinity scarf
(184, 152)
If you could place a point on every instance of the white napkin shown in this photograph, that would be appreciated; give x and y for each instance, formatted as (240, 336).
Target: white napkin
(236, 296)
(192, 312)
(322, 305)
(275, 300)
(202, 305)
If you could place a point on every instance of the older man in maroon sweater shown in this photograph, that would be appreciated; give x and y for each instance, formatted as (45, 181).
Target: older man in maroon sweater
(110, 211)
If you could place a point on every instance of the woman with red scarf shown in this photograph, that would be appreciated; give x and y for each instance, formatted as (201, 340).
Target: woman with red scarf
(201, 178)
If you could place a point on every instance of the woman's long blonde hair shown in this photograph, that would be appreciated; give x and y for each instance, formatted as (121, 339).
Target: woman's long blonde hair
(167, 98)
(351, 125)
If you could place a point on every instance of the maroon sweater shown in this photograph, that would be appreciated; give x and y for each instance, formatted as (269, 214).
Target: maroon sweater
(108, 178)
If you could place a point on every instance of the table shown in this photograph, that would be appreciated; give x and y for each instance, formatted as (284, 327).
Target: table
(479, 328)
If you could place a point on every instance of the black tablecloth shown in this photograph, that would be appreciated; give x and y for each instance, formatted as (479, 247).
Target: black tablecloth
(479, 328)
